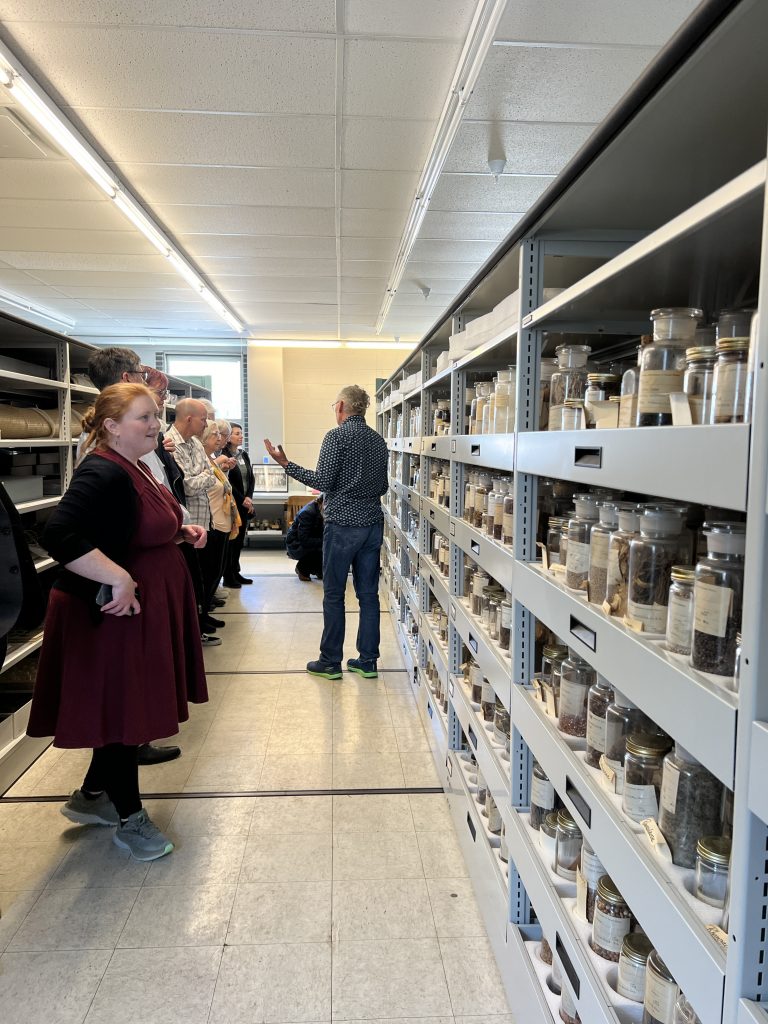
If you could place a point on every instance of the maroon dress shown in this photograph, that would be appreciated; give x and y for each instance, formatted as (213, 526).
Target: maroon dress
(124, 679)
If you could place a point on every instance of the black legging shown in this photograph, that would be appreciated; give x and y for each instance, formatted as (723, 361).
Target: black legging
(212, 565)
(115, 770)
(234, 548)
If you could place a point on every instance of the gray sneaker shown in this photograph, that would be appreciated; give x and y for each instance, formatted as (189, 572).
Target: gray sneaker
(82, 811)
(142, 837)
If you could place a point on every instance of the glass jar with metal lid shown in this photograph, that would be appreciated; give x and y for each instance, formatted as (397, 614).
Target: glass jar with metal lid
(569, 379)
(598, 701)
(622, 718)
(635, 950)
(480, 507)
(508, 518)
(599, 542)
(476, 682)
(579, 529)
(643, 765)
(480, 581)
(663, 363)
(651, 557)
(568, 1012)
(543, 796)
(698, 380)
(731, 401)
(548, 838)
(572, 414)
(469, 497)
(505, 623)
(564, 538)
(590, 873)
(501, 724)
(493, 814)
(553, 656)
(684, 1012)
(713, 859)
(734, 323)
(493, 618)
(600, 388)
(617, 579)
(488, 701)
(554, 529)
(567, 846)
(576, 677)
(661, 992)
(680, 611)
(717, 594)
(691, 804)
(612, 921)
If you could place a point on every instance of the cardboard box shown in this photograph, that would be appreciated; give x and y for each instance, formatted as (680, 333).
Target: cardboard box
(25, 488)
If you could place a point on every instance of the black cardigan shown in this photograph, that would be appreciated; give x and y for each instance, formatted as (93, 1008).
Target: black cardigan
(306, 532)
(240, 493)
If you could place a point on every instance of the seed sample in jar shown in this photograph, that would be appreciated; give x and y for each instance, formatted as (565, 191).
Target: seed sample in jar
(663, 363)
(487, 701)
(568, 1012)
(731, 385)
(622, 718)
(651, 557)
(587, 879)
(635, 950)
(691, 802)
(717, 596)
(661, 992)
(548, 838)
(599, 542)
(545, 952)
(617, 577)
(713, 858)
(501, 724)
(577, 555)
(576, 677)
(600, 697)
(493, 814)
(542, 796)
(642, 775)
(612, 920)
(567, 846)
(680, 612)
(505, 622)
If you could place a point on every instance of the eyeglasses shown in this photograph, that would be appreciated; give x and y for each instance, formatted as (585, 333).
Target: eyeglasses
(334, 404)
(161, 396)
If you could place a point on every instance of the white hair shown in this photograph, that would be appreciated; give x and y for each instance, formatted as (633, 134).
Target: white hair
(208, 408)
(355, 399)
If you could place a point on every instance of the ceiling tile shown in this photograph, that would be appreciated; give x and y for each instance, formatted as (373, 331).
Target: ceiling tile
(386, 144)
(429, 273)
(430, 19)
(439, 251)
(102, 279)
(51, 213)
(236, 71)
(86, 261)
(471, 226)
(173, 137)
(373, 223)
(581, 85)
(369, 248)
(480, 192)
(378, 269)
(378, 190)
(231, 186)
(254, 246)
(54, 179)
(269, 267)
(595, 21)
(247, 220)
(46, 240)
(527, 148)
(364, 286)
(397, 79)
(295, 285)
(267, 294)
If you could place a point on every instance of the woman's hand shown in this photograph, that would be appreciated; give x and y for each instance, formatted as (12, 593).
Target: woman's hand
(197, 536)
(124, 600)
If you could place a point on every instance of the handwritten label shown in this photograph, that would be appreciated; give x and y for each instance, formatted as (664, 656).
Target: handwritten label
(608, 772)
(720, 937)
(634, 624)
(581, 895)
(656, 839)
(544, 555)
(681, 410)
(606, 608)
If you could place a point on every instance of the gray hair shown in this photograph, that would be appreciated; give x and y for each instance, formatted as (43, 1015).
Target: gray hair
(355, 400)
(208, 407)
(210, 428)
(225, 428)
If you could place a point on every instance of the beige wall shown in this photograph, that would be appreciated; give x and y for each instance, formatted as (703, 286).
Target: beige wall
(311, 379)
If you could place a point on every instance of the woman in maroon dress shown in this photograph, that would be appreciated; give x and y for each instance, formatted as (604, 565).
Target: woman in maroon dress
(121, 653)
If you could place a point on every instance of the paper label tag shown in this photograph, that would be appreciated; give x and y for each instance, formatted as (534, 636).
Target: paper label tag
(652, 616)
(628, 410)
(712, 606)
(656, 839)
(595, 731)
(599, 550)
(542, 793)
(550, 700)
(544, 555)
(681, 410)
(655, 388)
(608, 771)
(556, 567)
(670, 780)
(660, 998)
(634, 624)
(720, 937)
(573, 698)
(581, 895)
(640, 801)
(679, 621)
(577, 557)
(607, 608)
(609, 932)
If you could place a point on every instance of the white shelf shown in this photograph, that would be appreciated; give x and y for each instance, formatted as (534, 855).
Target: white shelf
(37, 504)
(497, 559)
(37, 442)
(436, 515)
(436, 447)
(84, 389)
(491, 451)
(437, 651)
(758, 791)
(17, 652)
(436, 583)
(27, 381)
(496, 668)
(493, 764)
(504, 334)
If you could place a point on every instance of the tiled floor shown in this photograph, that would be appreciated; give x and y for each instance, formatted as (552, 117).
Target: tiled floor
(273, 909)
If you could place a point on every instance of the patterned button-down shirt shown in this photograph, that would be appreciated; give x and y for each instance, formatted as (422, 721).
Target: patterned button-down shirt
(351, 472)
(199, 477)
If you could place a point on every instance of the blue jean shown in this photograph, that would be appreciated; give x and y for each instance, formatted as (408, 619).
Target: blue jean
(357, 547)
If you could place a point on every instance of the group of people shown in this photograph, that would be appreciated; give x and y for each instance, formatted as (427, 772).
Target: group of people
(147, 527)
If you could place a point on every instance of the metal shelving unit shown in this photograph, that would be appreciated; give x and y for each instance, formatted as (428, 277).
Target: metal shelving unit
(622, 231)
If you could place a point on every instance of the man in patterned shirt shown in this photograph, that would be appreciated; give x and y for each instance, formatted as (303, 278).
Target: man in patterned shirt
(352, 473)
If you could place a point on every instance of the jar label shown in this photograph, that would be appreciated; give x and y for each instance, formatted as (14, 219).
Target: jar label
(680, 622)
(595, 732)
(614, 568)
(506, 616)
(599, 550)
(542, 793)
(581, 895)
(669, 783)
(655, 388)
(507, 522)
(652, 616)
(577, 558)
(640, 801)
(573, 698)
(608, 931)
(631, 982)
(488, 693)
(660, 997)
(696, 405)
(729, 381)
(712, 606)
(591, 867)
(477, 586)
(627, 410)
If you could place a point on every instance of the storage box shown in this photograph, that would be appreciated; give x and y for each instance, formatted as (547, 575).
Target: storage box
(25, 488)
(10, 459)
(22, 471)
(51, 469)
(48, 458)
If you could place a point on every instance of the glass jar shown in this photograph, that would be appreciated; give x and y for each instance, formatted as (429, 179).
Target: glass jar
(651, 557)
(480, 507)
(567, 846)
(487, 701)
(508, 519)
(441, 423)
(542, 796)
(717, 596)
(469, 397)
(713, 858)
(564, 538)
(599, 542)
(480, 581)
(734, 323)
(629, 388)
(493, 618)
(545, 952)
(590, 873)
(503, 845)
(635, 950)
(661, 992)
(476, 682)
(600, 388)
(576, 677)
(482, 788)
(505, 405)
(495, 495)
(680, 613)
(598, 701)
(691, 803)
(572, 415)
(622, 718)
(684, 1012)
(579, 528)
(469, 498)
(505, 623)
(663, 363)
(643, 766)
(612, 920)
(731, 386)
(617, 577)
(493, 814)
(554, 529)
(569, 379)
(479, 402)
(489, 411)
(548, 838)
(698, 380)
(568, 1012)
(501, 724)
(553, 656)
(737, 666)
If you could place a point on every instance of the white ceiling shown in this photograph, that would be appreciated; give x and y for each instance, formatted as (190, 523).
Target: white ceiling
(280, 143)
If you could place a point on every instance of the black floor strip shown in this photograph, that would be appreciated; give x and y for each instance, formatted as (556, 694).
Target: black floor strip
(286, 611)
(227, 795)
(284, 672)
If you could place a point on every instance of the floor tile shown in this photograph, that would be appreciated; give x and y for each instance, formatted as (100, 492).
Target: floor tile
(274, 984)
(441, 855)
(315, 738)
(166, 778)
(14, 907)
(419, 769)
(360, 771)
(31, 823)
(296, 771)
(286, 814)
(411, 740)
(280, 912)
(30, 866)
(242, 744)
(473, 977)
(188, 915)
(95, 862)
(300, 857)
(216, 859)
(372, 740)
(225, 773)
(385, 855)
(382, 909)
(176, 986)
(454, 908)
(386, 812)
(227, 816)
(389, 978)
(75, 919)
(39, 988)
(430, 812)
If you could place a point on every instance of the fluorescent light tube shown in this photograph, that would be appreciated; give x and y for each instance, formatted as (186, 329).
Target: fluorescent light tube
(15, 304)
(185, 270)
(139, 220)
(215, 303)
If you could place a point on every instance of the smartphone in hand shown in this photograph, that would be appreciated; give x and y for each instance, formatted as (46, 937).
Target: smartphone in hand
(104, 595)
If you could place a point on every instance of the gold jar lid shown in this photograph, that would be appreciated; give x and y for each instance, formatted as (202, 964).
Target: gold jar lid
(614, 398)
(715, 849)
(606, 890)
(684, 573)
(602, 378)
(549, 825)
(732, 345)
(566, 823)
(574, 403)
(555, 651)
(636, 947)
(647, 744)
(701, 353)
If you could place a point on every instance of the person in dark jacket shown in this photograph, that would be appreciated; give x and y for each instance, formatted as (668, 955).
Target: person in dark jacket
(304, 540)
(242, 480)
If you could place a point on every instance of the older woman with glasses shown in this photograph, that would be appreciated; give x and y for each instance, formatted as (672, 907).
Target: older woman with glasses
(224, 521)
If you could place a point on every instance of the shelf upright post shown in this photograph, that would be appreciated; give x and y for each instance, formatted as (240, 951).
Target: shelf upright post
(65, 413)
(747, 972)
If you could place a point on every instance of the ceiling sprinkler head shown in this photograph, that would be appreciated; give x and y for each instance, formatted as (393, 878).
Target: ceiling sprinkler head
(425, 290)
(497, 167)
